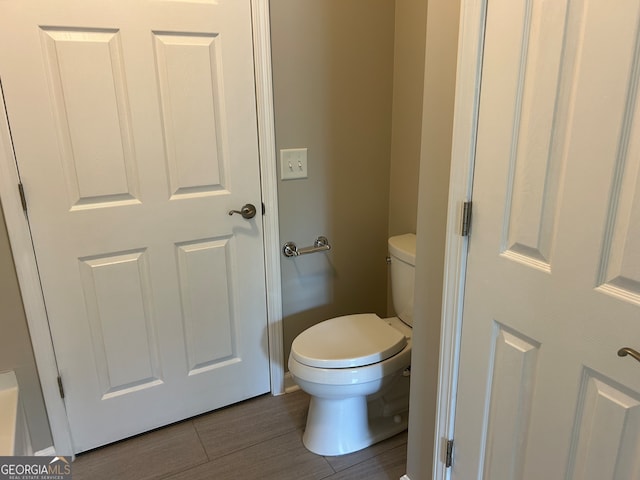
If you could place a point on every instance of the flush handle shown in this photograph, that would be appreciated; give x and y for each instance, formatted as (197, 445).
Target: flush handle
(248, 211)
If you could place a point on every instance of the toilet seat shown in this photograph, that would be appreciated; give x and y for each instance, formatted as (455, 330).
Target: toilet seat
(348, 341)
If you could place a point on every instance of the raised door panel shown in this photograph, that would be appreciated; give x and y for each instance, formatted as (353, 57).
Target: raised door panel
(620, 263)
(118, 296)
(606, 438)
(512, 385)
(207, 307)
(190, 76)
(89, 94)
(534, 143)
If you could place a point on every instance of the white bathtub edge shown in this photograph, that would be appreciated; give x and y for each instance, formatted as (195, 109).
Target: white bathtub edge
(47, 452)
(8, 412)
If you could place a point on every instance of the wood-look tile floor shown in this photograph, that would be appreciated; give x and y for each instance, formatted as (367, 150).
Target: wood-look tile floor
(257, 439)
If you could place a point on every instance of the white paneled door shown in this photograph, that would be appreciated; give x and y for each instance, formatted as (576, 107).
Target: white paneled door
(553, 281)
(134, 129)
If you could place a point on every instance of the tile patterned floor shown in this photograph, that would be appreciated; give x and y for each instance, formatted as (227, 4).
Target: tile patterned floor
(260, 439)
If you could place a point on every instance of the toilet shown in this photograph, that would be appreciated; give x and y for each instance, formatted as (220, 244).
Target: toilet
(356, 368)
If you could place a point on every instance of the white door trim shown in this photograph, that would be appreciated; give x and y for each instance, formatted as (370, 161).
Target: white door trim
(25, 261)
(269, 183)
(27, 271)
(470, 47)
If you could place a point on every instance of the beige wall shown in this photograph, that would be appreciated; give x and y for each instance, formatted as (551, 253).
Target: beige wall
(437, 130)
(406, 129)
(333, 75)
(16, 352)
(406, 125)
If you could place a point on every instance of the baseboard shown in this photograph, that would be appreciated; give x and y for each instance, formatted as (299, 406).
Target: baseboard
(47, 452)
(289, 385)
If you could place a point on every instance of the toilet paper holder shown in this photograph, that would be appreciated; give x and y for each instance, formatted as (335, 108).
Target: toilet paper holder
(290, 249)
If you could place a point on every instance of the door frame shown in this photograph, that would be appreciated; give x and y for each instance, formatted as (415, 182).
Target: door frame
(25, 260)
(465, 125)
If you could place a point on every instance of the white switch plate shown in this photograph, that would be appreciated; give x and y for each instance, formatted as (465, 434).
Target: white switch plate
(293, 163)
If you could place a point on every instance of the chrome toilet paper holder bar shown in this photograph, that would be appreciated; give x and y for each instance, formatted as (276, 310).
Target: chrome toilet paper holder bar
(290, 249)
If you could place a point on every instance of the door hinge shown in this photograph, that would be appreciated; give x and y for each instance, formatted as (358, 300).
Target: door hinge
(465, 226)
(60, 387)
(23, 197)
(264, 208)
(449, 454)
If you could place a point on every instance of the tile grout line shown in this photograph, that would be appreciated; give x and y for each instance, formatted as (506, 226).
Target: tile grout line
(206, 454)
(376, 457)
(252, 445)
(196, 465)
(377, 454)
(266, 440)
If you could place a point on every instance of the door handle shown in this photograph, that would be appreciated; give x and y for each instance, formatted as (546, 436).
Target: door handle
(623, 352)
(247, 211)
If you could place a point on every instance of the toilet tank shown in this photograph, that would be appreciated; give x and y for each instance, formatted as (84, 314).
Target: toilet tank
(402, 251)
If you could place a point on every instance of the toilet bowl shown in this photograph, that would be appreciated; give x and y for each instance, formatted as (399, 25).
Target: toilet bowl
(356, 368)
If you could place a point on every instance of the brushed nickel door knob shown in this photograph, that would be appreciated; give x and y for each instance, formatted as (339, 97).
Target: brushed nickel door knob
(248, 211)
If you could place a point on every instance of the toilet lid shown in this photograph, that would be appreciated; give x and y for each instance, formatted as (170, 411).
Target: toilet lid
(349, 341)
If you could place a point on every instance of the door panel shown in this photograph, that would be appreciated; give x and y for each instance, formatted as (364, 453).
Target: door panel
(202, 290)
(134, 128)
(89, 99)
(606, 440)
(552, 282)
(122, 361)
(515, 361)
(190, 79)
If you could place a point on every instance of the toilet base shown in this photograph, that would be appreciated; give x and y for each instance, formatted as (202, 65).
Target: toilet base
(341, 426)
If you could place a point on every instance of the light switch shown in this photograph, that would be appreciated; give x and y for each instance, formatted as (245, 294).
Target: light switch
(293, 163)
